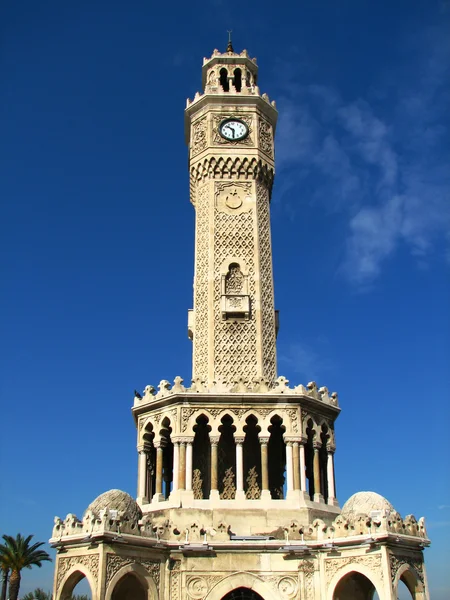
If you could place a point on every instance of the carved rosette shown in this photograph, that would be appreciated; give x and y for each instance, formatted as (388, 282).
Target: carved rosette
(233, 197)
(114, 563)
(197, 586)
(90, 562)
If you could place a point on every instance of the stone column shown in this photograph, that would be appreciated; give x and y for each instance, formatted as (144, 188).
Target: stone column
(289, 468)
(265, 491)
(317, 492)
(330, 476)
(214, 441)
(302, 466)
(158, 496)
(176, 465)
(240, 494)
(142, 475)
(296, 461)
(182, 466)
(189, 446)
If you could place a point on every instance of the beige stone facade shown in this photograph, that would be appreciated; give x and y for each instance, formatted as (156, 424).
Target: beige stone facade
(236, 495)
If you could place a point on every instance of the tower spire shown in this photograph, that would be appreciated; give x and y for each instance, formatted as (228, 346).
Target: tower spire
(230, 44)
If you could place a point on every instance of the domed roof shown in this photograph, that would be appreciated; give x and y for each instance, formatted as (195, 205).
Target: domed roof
(364, 503)
(126, 506)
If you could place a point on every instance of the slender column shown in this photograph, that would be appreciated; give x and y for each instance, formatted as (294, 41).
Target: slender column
(330, 475)
(289, 467)
(264, 441)
(239, 464)
(302, 466)
(317, 492)
(214, 463)
(189, 465)
(142, 474)
(182, 466)
(296, 460)
(176, 463)
(159, 468)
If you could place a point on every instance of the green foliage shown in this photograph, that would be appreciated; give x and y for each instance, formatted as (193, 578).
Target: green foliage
(39, 594)
(17, 554)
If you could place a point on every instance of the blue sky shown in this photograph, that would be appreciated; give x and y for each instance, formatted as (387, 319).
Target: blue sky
(97, 236)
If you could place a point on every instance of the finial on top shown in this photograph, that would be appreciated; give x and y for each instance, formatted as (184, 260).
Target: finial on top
(230, 45)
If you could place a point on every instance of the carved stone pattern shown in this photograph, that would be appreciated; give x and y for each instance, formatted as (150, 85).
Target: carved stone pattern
(266, 283)
(197, 483)
(293, 415)
(114, 563)
(234, 281)
(253, 491)
(185, 416)
(234, 340)
(415, 563)
(218, 139)
(229, 489)
(332, 566)
(307, 567)
(265, 137)
(199, 137)
(201, 284)
(175, 588)
(90, 561)
(196, 587)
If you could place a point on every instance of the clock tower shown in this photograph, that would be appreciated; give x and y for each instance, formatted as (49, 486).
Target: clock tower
(230, 134)
(236, 495)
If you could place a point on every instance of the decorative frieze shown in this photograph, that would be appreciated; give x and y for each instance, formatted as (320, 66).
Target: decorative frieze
(115, 562)
(90, 562)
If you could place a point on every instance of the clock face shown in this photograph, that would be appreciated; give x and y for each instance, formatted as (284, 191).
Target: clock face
(233, 130)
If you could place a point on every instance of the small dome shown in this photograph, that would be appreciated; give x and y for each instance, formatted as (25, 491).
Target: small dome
(126, 506)
(364, 502)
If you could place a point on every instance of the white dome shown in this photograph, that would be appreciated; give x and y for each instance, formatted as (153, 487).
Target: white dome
(365, 502)
(126, 506)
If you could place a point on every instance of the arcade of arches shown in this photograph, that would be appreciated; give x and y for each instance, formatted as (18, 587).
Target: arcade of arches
(259, 462)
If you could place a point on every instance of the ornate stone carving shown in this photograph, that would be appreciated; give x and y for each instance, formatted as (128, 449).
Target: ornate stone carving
(416, 563)
(229, 488)
(199, 136)
(115, 562)
(253, 490)
(90, 562)
(265, 137)
(333, 565)
(233, 197)
(293, 415)
(287, 587)
(186, 414)
(197, 484)
(196, 587)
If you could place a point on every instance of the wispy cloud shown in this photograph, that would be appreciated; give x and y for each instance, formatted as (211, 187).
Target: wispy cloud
(388, 171)
(306, 360)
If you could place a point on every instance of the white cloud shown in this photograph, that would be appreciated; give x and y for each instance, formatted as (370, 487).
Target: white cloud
(391, 174)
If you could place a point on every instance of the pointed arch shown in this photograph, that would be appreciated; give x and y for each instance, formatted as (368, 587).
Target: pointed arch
(241, 580)
(141, 574)
(374, 579)
(72, 578)
(410, 578)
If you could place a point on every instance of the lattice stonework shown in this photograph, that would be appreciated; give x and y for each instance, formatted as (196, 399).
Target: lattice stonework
(235, 352)
(201, 283)
(266, 282)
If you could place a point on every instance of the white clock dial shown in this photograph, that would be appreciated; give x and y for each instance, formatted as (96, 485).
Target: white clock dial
(233, 129)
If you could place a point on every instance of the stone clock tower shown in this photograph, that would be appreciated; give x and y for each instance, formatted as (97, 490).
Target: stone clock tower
(230, 133)
(236, 495)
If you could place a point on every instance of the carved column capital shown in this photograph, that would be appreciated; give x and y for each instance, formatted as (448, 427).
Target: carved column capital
(263, 440)
(214, 440)
(239, 439)
(317, 445)
(331, 448)
(292, 439)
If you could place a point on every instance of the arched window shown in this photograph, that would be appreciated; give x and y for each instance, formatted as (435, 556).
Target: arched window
(227, 459)
(165, 432)
(323, 458)
(277, 458)
(150, 452)
(309, 457)
(234, 280)
(237, 80)
(201, 467)
(252, 459)
(224, 80)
